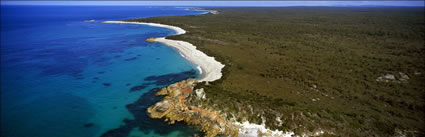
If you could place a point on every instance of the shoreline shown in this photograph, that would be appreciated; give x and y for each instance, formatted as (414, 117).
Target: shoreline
(202, 9)
(209, 68)
(264, 84)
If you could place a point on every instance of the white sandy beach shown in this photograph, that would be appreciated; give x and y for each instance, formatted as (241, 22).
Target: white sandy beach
(209, 68)
(178, 30)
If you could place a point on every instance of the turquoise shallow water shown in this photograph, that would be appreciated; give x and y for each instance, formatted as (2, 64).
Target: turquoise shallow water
(63, 77)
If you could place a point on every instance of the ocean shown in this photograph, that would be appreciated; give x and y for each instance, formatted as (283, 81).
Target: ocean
(65, 76)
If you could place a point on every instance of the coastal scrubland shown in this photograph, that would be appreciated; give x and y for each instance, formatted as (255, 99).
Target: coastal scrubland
(345, 71)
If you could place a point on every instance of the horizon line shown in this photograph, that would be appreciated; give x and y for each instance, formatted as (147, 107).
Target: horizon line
(224, 3)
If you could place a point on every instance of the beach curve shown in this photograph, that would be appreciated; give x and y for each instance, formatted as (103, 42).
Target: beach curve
(209, 68)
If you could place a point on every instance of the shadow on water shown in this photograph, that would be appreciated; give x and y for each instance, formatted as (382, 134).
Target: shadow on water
(142, 120)
(164, 80)
(168, 79)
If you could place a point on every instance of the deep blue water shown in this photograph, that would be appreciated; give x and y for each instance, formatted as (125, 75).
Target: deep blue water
(64, 77)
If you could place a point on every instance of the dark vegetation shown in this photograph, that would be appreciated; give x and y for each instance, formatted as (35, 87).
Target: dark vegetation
(315, 68)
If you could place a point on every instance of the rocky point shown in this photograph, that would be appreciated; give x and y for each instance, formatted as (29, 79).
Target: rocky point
(177, 106)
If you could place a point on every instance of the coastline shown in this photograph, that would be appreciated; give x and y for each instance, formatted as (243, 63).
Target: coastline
(209, 68)
(263, 77)
(201, 9)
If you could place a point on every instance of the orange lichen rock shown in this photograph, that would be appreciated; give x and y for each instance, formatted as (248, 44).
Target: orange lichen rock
(175, 106)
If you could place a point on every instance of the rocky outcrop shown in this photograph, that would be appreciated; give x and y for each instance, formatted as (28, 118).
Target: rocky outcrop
(177, 106)
(200, 93)
(401, 77)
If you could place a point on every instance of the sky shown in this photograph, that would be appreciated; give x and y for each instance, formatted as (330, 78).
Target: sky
(221, 3)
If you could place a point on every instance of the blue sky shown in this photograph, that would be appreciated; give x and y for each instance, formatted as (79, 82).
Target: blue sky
(221, 3)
